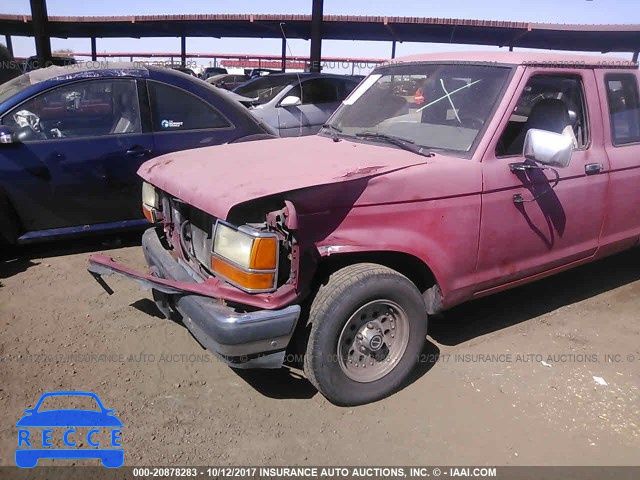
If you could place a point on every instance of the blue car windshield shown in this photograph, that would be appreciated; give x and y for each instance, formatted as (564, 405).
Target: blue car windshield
(10, 88)
(66, 402)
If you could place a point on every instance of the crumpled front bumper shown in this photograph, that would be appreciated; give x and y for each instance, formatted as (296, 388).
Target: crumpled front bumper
(255, 339)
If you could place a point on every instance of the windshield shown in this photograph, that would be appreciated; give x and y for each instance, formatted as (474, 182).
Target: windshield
(432, 105)
(10, 88)
(264, 88)
(66, 402)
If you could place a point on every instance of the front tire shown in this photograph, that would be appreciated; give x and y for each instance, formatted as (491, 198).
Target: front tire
(368, 327)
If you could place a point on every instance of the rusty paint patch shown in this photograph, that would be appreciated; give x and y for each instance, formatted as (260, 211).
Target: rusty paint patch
(159, 163)
(362, 171)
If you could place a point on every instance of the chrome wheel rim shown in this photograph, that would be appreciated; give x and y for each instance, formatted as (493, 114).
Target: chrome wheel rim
(373, 341)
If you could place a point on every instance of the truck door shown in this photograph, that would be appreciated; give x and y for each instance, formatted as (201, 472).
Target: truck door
(527, 226)
(621, 120)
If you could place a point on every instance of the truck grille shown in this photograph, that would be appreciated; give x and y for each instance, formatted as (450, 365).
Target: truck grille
(194, 228)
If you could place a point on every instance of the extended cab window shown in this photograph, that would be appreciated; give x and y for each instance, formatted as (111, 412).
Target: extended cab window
(624, 108)
(548, 102)
(82, 109)
(174, 109)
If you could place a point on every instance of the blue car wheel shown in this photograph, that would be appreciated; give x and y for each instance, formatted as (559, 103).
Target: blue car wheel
(112, 459)
(26, 459)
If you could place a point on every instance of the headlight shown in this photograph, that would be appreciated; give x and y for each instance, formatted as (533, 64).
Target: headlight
(150, 202)
(245, 258)
(149, 195)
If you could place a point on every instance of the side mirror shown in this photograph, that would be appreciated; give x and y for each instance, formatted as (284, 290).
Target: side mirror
(7, 135)
(291, 101)
(548, 148)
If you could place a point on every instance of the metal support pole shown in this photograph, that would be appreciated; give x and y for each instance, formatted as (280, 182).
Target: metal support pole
(9, 44)
(39, 18)
(284, 54)
(511, 48)
(183, 51)
(94, 53)
(393, 49)
(316, 35)
(634, 59)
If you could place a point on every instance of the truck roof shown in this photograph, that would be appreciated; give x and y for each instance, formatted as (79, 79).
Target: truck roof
(524, 58)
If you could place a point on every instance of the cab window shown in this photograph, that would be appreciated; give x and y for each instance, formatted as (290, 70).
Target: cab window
(548, 102)
(624, 108)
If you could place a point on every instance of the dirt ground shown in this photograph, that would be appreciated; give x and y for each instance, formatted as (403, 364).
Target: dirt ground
(507, 380)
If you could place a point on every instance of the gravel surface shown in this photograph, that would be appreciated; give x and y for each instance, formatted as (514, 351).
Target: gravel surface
(506, 380)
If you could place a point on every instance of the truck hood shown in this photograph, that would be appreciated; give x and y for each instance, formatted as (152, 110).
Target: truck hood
(215, 179)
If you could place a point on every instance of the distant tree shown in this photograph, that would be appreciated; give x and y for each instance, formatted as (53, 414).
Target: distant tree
(5, 54)
(8, 66)
(63, 51)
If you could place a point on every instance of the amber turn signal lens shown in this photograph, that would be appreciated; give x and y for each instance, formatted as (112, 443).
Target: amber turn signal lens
(248, 280)
(263, 254)
(148, 213)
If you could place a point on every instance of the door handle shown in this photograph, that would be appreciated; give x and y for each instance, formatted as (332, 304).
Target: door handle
(138, 151)
(592, 168)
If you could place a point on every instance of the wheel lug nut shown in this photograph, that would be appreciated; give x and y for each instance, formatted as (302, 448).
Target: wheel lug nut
(369, 325)
(359, 336)
(362, 349)
(393, 336)
(393, 327)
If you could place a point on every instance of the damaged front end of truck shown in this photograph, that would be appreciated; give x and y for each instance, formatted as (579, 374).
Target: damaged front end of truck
(235, 264)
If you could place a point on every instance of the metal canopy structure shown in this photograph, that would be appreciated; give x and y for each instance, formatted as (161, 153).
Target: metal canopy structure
(243, 60)
(594, 38)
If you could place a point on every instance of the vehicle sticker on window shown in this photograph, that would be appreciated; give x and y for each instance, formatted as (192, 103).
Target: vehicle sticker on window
(171, 124)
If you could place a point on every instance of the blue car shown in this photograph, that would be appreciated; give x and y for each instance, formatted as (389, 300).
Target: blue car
(27, 453)
(73, 137)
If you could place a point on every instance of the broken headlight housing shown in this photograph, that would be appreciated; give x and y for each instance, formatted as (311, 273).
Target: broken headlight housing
(245, 257)
(150, 202)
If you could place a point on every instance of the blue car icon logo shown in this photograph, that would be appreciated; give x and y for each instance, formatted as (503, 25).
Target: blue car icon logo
(32, 446)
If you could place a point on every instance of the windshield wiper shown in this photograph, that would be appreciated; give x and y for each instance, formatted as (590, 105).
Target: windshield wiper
(334, 131)
(403, 143)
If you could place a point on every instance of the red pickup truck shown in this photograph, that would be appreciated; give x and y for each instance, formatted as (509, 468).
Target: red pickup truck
(440, 179)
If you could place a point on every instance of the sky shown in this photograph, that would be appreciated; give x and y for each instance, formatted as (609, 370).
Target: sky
(546, 11)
